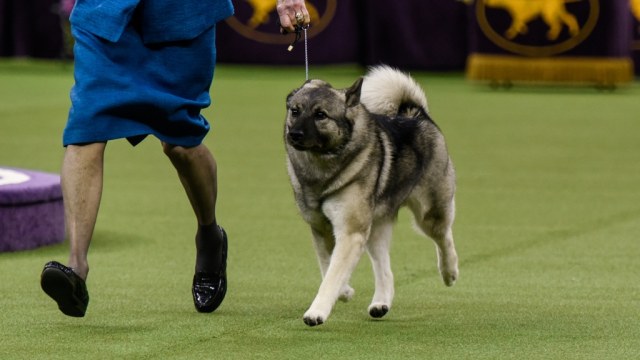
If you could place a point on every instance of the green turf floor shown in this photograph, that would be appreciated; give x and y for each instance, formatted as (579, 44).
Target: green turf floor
(547, 233)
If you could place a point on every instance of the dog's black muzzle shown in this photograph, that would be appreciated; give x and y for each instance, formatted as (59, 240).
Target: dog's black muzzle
(302, 141)
(296, 138)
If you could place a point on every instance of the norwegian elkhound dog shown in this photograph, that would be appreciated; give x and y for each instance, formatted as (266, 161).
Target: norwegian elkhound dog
(355, 156)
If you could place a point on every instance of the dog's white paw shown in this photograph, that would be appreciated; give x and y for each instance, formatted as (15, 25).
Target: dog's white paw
(450, 278)
(378, 310)
(313, 318)
(448, 266)
(449, 274)
(346, 293)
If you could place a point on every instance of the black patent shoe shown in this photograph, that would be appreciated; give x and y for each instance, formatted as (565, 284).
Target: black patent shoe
(65, 287)
(209, 289)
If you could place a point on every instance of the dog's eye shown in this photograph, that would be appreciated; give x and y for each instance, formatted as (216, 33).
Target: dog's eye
(295, 112)
(320, 115)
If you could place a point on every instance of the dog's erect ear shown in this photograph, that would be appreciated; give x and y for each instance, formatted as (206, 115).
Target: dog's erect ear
(353, 93)
(293, 92)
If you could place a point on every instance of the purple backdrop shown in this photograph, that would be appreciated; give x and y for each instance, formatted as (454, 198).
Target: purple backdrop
(420, 34)
(426, 34)
(30, 28)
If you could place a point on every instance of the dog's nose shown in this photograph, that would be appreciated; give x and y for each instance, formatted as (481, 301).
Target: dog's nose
(295, 136)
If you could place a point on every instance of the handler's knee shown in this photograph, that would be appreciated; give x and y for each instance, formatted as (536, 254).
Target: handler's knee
(183, 154)
(174, 151)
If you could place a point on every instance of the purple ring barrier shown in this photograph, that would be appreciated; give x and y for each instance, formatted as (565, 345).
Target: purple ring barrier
(31, 209)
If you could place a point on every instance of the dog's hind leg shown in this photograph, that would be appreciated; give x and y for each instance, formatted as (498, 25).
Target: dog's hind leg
(436, 223)
(378, 249)
(323, 243)
(447, 256)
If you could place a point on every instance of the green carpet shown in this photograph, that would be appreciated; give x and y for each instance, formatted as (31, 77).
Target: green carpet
(547, 233)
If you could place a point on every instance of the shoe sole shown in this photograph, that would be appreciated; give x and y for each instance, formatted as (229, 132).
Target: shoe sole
(56, 284)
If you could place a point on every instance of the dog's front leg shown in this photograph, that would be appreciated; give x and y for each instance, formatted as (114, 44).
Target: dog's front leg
(343, 260)
(324, 243)
(351, 230)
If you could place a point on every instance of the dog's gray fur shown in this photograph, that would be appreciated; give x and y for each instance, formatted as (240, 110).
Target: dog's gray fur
(355, 156)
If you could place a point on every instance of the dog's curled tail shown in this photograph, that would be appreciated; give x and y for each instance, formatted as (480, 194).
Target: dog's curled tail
(387, 91)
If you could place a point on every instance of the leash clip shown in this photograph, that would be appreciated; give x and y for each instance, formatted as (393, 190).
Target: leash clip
(298, 30)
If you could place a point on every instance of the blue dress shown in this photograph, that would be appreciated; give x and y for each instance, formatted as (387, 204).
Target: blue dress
(142, 67)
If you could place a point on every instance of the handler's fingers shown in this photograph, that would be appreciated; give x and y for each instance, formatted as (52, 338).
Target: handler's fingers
(302, 15)
(306, 18)
(286, 13)
(286, 25)
(292, 13)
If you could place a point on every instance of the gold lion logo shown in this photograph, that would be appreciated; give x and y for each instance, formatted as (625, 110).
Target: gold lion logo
(553, 16)
(553, 12)
(635, 8)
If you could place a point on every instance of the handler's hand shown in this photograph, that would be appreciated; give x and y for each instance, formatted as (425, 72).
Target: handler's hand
(292, 13)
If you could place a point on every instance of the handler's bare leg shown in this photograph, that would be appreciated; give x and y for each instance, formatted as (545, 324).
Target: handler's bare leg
(81, 180)
(197, 171)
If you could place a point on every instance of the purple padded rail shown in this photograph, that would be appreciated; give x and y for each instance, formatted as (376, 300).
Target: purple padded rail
(31, 209)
